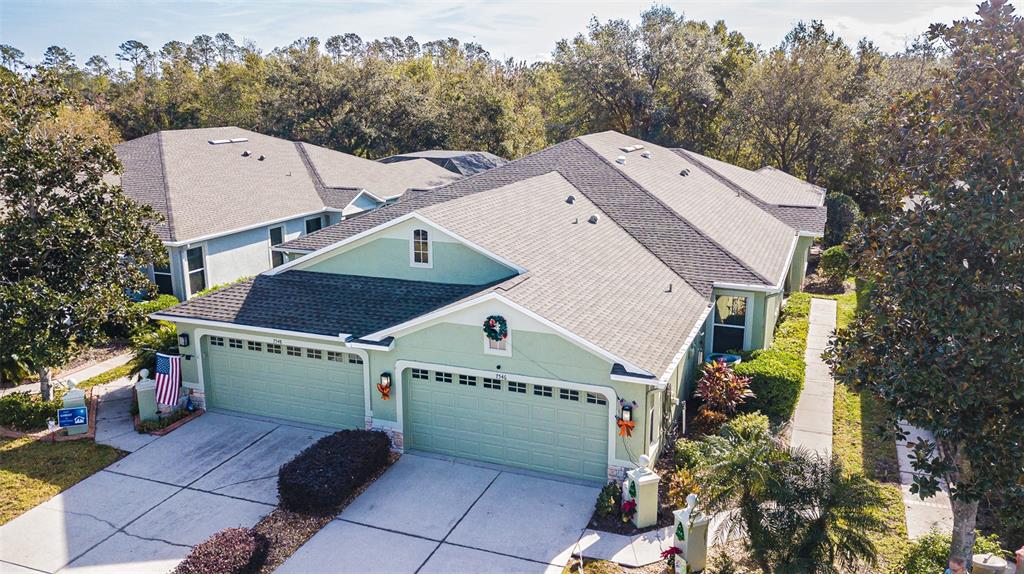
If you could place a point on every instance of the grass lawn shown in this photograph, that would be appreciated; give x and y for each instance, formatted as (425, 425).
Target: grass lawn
(856, 441)
(31, 471)
(113, 374)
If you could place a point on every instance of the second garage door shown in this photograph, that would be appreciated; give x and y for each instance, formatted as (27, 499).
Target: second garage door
(283, 381)
(543, 428)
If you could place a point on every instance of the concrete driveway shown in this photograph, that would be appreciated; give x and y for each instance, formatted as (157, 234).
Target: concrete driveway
(430, 515)
(145, 512)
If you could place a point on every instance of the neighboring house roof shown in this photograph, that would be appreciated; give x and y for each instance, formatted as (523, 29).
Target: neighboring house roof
(204, 189)
(460, 162)
(321, 303)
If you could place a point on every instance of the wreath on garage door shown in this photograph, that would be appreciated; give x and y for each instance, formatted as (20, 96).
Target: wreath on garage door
(496, 328)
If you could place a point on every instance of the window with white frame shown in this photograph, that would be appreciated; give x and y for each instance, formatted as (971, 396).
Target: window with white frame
(336, 356)
(254, 345)
(195, 261)
(217, 341)
(502, 347)
(314, 354)
(492, 384)
(443, 377)
(276, 238)
(314, 224)
(730, 323)
(420, 248)
(355, 359)
(517, 387)
(235, 343)
(542, 390)
(294, 351)
(569, 394)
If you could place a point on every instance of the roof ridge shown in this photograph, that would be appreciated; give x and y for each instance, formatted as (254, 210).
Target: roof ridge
(696, 229)
(171, 232)
(318, 182)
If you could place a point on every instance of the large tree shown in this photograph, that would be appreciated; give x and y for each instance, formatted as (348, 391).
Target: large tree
(72, 245)
(941, 336)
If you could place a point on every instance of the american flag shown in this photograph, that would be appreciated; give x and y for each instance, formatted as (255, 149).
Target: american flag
(168, 378)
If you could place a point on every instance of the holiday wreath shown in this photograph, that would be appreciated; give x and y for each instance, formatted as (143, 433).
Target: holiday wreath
(496, 328)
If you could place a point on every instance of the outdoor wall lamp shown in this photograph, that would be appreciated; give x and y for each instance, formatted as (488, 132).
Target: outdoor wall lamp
(183, 340)
(384, 386)
(627, 412)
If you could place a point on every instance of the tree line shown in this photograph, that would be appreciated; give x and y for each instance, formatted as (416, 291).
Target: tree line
(812, 105)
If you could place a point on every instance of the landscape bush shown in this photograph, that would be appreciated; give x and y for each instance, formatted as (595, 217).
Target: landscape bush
(843, 213)
(928, 554)
(231, 551)
(681, 483)
(706, 422)
(24, 412)
(749, 426)
(721, 389)
(324, 475)
(146, 308)
(689, 454)
(835, 264)
(163, 338)
(608, 500)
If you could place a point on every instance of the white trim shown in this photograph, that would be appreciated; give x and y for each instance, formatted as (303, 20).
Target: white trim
(494, 296)
(187, 271)
(507, 352)
(778, 287)
(607, 392)
(323, 251)
(808, 234)
(197, 336)
(305, 228)
(340, 338)
(638, 380)
(247, 227)
(357, 345)
(748, 320)
(270, 242)
(412, 249)
(362, 192)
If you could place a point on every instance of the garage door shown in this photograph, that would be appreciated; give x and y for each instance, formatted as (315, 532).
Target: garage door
(542, 428)
(282, 381)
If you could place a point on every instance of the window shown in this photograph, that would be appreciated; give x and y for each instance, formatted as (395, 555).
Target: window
(294, 351)
(492, 384)
(235, 343)
(420, 255)
(730, 323)
(493, 345)
(517, 387)
(355, 359)
(255, 345)
(541, 391)
(274, 348)
(314, 224)
(421, 374)
(467, 380)
(596, 399)
(443, 377)
(276, 238)
(336, 356)
(162, 278)
(217, 341)
(569, 395)
(314, 354)
(196, 263)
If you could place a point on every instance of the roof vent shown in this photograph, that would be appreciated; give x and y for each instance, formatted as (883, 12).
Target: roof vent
(621, 160)
(631, 148)
(646, 155)
(218, 142)
(239, 140)
(684, 173)
(262, 157)
(570, 199)
(227, 141)
(246, 153)
(593, 219)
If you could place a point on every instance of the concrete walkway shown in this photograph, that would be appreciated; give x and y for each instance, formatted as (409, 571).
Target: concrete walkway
(115, 425)
(812, 423)
(933, 513)
(79, 375)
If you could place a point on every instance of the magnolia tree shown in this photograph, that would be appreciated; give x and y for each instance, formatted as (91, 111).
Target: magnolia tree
(72, 245)
(941, 338)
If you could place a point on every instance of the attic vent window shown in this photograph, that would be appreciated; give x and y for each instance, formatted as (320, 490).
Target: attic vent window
(593, 219)
(632, 148)
(684, 173)
(621, 160)
(570, 199)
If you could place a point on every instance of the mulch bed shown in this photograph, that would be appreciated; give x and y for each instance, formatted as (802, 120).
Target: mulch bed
(614, 524)
(60, 435)
(286, 531)
(161, 432)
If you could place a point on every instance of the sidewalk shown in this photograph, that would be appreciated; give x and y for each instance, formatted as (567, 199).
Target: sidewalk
(812, 422)
(933, 513)
(79, 375)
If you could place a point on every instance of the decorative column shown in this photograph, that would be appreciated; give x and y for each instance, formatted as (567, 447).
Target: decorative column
(641, 490)
(691, 536)
(145, 392)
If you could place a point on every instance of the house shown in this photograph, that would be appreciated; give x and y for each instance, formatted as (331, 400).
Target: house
(229, 195)
(613, 265)
(460, 162)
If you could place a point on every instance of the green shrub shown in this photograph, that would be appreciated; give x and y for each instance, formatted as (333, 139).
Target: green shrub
(835, 264)
(928, 554)
(776, 377)
(843, 213)
(749, 425)
(689, 454)
(608, 501)
(145, 308)
(24, 412)
(215, 288)
(162, 339)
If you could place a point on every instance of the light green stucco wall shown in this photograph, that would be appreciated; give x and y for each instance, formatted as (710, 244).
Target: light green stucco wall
(389, 257)
(799, 265)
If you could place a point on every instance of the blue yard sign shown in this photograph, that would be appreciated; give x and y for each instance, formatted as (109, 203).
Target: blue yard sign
(72, 417)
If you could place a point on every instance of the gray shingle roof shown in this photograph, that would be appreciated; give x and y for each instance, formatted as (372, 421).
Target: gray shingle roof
(321, 303)
(460, 162)
(205, 189)
(645, 217)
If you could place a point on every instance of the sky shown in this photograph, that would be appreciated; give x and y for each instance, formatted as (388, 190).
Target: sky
(523, 30)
